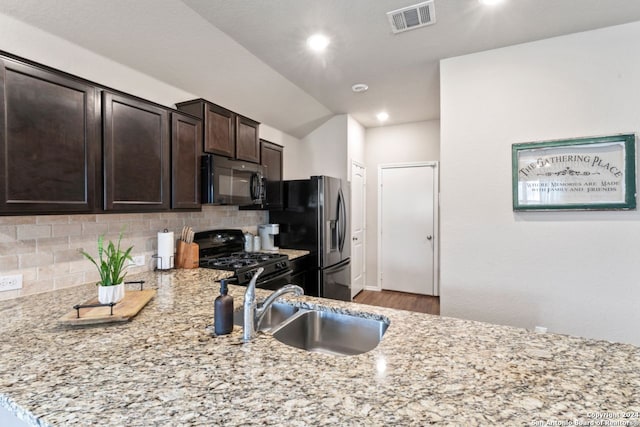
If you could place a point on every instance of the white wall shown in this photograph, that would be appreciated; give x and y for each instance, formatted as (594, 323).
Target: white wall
(355, 142)
(328, 149)
(410, 142)
(34, 44)
(324, 150)
(573, 272)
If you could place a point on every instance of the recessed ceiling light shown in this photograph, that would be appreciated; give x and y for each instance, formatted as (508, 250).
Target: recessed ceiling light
(359, 87)
(382, 116)
(318, 42)
(490, 2)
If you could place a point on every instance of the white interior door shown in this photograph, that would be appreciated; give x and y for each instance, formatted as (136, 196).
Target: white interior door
(357, 228)
(407, 228)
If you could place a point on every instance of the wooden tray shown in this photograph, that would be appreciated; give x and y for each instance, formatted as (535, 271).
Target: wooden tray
(123, 311)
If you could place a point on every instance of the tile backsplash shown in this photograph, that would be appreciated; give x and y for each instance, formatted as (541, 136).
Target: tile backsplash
(46, 249)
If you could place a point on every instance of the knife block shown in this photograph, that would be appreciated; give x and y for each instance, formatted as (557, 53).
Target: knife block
(187, 255)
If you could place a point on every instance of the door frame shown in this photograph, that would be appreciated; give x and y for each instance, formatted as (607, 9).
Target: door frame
(436, 219)
(364, 219)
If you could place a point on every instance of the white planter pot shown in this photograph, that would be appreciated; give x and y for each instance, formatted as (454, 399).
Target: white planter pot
(109, 294)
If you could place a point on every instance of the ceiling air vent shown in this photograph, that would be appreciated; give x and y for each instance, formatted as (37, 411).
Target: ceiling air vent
(411, 17)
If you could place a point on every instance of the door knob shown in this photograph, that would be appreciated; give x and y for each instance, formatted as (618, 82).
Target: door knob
(429, 237)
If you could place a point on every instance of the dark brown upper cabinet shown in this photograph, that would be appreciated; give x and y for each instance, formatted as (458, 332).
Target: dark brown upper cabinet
(186, 150)
(271, 155)
(247, 140)
(136, 154)
(219, 132)
(49, 141)
(225, 132)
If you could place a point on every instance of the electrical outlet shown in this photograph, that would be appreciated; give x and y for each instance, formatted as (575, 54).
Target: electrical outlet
(138, 260)
(9, 283)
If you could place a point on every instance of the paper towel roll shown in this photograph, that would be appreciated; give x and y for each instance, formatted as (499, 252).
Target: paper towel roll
(166, 250)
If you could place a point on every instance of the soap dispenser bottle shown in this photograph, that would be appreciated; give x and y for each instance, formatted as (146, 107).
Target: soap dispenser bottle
(223, 311)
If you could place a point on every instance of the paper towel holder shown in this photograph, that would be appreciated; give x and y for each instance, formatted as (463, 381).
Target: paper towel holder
(171, 261)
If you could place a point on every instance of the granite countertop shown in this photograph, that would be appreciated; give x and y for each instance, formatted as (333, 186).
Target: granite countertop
(293, 253)
(164, 368)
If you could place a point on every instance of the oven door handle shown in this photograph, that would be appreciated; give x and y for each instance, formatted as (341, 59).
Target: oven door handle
(279, 276)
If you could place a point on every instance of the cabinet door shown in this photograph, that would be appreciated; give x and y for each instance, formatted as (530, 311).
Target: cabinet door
(186, 148)
(304, 274)
(49, 140)
(219, 135)
(247, 140)
(271, 155)
(136, 154)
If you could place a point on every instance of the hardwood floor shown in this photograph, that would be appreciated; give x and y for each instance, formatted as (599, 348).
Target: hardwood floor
(400, 300)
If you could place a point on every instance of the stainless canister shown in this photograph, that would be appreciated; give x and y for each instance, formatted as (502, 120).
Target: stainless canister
(248, 242)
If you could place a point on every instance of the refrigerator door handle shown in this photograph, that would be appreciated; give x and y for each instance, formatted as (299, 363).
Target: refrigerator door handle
(337, 267)
(342, 220)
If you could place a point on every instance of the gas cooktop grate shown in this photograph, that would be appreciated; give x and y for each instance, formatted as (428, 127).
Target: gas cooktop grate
(239, 260)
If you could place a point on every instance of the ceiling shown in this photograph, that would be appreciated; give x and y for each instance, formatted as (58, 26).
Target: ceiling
(401, 70)
(250, 55)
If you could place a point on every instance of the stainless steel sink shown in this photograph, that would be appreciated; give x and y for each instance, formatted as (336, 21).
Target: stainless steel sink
(320, 331)
(331, 333)
(275, 315)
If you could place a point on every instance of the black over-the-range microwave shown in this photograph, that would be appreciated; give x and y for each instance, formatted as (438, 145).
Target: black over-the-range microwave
(231, 182)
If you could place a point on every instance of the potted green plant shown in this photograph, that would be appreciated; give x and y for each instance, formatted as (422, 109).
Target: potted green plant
(111, 266)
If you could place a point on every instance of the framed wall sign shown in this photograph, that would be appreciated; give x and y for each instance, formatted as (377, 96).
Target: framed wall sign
(585, 173)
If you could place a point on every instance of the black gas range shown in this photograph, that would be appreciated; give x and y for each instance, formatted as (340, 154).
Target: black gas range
(222, 250)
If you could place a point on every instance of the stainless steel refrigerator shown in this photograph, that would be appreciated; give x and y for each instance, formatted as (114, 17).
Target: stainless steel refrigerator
(315, 217)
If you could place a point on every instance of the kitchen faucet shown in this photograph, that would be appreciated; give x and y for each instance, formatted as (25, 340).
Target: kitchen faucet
(252, 313)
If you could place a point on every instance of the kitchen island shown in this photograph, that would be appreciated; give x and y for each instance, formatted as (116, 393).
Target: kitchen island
(164, 368)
